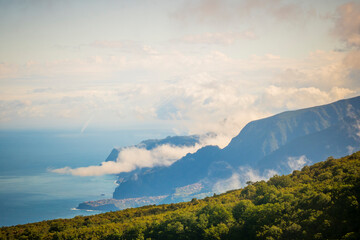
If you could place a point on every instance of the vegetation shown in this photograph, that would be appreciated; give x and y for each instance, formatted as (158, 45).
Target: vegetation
(318, 202)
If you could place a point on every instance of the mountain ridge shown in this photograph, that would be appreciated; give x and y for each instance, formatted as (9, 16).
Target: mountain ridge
(278, 126)
(270, 133)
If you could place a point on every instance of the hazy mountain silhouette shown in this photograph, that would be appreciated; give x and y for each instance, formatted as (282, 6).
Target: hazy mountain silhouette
(311, 134)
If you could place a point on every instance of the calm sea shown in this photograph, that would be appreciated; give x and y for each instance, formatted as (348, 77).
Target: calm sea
(29, 192)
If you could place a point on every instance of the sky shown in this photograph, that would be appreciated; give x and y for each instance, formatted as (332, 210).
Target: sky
(189, 66)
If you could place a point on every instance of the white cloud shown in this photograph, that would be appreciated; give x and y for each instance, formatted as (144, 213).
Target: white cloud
(228, 184)
(350, 149)
(224, 92)
(252, 175)
(351, 113)
(295, 98)
(240, 177)
(131, 158)
(134, 78)
(297, 163)
(193, 88)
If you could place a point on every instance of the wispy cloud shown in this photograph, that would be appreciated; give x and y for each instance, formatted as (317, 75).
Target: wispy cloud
(231, 12)
(225, 38)
(217, 81)
(296, 163)
(355, 116)
(86, 124)
(244, 174)
(240, 177)
(347, 24)
(219, 88)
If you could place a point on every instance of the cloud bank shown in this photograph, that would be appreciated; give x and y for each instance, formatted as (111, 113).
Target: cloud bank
(231, 62)
(131, 158)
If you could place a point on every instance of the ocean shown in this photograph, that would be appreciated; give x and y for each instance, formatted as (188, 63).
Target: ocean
(29, 192)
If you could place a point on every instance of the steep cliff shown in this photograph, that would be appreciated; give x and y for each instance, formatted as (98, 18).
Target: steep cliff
(306, 135)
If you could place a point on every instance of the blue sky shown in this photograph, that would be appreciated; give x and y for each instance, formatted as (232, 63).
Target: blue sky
(189, 66)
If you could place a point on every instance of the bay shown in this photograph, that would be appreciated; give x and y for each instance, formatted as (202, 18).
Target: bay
(30, 192)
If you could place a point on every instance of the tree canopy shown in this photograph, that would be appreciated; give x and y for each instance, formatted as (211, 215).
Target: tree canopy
(319, 202)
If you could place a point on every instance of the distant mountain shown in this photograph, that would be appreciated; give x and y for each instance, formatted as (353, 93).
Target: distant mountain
(302, 136)
(314, 132)
(277, 144)
(179, 141)
(262, 137)
(164, 180)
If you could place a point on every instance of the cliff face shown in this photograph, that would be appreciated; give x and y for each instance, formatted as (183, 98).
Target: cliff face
(307, 134)
(261, 138)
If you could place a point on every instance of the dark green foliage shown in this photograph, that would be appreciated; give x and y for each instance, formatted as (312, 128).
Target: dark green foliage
(318, 202)
(240, 209)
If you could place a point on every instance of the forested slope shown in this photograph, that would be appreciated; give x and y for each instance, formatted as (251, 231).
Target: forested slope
(318, 202)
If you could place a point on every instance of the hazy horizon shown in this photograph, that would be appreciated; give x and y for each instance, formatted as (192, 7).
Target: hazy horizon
(185, 66)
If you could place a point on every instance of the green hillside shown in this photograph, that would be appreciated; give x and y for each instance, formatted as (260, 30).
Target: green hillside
(318, 202)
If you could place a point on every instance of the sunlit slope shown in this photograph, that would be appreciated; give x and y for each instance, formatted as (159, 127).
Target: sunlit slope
(318, 202)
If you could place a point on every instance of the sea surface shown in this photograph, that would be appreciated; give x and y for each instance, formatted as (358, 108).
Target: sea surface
(30, 192)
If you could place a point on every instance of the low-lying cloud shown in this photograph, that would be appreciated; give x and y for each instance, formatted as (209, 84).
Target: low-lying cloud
(243, 175)
(297, 163)
(240, 178)
(355, 116)
(131, 158)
